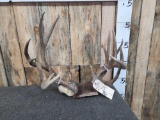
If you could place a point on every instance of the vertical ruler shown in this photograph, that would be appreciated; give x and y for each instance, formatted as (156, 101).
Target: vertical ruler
(123, 32)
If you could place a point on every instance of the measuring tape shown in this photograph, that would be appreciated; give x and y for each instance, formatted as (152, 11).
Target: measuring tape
(123, 32)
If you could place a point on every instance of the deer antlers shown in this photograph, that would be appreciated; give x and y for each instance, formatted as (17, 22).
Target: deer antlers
(113, 62)
(42, 43)
(71, 88)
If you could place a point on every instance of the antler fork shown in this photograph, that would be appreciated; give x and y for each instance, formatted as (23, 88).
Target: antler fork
(112, 61)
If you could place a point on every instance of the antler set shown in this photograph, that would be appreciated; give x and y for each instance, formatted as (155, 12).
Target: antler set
(71, 88)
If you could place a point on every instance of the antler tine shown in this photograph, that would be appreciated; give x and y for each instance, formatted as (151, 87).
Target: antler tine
(121, 53)
(119, 69)
(101, 72)
(113, 62)
(120, 46)
(107, 52)
(116, 76)
(46, 42)
(50, 80)
(30, 61)
(43, 77)
(50, 31)
(39, 36)
(41, 28)
(119, 63)
(114, 45)
(44, 81)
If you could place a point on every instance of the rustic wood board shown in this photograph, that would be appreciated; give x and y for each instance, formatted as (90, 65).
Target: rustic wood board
(10, 47)
(151, 98)
(26, 17)
(86, 73)
(136, 13)
(146, 24)
(68, 72)
(59, 46)
(62, 47)
(53, 0)
(3, 77)
(108, 25)
(85, 29)
(33, 76)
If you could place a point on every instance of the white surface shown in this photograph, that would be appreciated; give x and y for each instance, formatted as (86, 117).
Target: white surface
(124, 11)
(103, 89)
(120, 86)
(123, 32)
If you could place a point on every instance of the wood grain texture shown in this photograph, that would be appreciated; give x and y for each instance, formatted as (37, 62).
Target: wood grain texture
(3, 78)
(26, 17)
(133, 42)
(68, 72)
(108, 25)
(151, 98)
(146, 26)
(10, 47)
(59, 46)
(86, 73)
(33, 76)
(85, 28)
(76, 39)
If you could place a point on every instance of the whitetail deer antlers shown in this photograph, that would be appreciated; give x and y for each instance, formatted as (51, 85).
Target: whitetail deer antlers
(71, 88)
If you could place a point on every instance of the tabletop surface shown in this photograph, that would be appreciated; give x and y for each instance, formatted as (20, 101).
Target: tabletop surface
(30, 102)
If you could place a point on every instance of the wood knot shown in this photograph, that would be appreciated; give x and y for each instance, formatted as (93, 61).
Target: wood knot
(36, 29)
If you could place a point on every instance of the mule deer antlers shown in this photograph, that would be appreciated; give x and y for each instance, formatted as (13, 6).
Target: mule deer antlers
(70, 88)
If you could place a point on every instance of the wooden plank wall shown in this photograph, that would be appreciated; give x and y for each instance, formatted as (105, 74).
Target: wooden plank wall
(76, 39)
(10, 47)
(143, 76)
